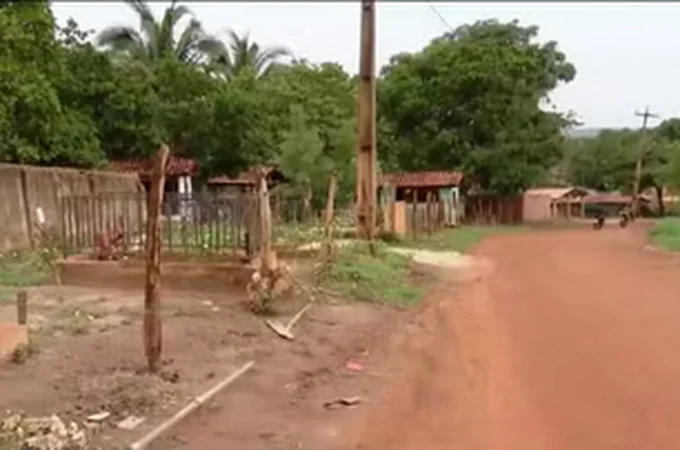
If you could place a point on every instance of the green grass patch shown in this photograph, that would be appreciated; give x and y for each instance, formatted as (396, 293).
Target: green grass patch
(666, 233)
(23, 269)
(456, 239)
(383, 278)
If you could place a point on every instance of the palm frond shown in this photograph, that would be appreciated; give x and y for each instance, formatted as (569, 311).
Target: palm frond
(248, 54)
(147, 23)
(173, 15)
(191, 34)
(120, 39)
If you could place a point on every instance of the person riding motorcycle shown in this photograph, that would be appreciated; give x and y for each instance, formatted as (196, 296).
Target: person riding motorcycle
(625, 217)
(599, 220)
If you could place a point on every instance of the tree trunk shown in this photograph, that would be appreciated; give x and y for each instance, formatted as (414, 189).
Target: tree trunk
(659, 199)
(153, 335)
(328, 219)
(307, 203)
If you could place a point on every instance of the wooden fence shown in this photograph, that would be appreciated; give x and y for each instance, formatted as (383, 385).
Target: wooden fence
(196, 223)
(493, 210)
(201, 222)
(425, 217)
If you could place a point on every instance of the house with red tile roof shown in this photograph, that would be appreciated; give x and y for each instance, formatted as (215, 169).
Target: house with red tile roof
(246, 180)
(436, 185)
(178, 175)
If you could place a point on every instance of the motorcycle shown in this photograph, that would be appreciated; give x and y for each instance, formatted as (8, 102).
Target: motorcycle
(599, 223)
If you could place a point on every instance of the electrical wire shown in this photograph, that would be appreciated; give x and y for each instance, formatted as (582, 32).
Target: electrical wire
(440, 17)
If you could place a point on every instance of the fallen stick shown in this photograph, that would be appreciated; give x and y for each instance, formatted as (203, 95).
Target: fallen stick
(309, 289)
(195, 403)
(284, 331)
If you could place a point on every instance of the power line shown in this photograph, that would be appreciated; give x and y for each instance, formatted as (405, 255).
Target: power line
(441, 17)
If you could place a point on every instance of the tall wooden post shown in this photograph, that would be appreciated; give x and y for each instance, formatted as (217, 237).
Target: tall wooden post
(153, 335)
(366, 151)
(22, 307)
(328, 219)
(267, 257)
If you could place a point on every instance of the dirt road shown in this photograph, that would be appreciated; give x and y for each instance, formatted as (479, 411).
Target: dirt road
(564, 340)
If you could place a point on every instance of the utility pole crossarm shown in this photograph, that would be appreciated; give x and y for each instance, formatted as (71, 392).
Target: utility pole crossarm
(646, 115)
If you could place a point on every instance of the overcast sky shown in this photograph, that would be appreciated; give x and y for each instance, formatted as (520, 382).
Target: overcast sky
(627, 55)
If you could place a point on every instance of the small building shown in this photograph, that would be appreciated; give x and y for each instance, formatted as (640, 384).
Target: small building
(611, 203)
(418, 187)
(550, 203)
(179, 174)
(246, 181)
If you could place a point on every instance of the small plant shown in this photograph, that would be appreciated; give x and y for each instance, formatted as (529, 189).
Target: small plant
(25, 351)
(23, 269)
(389, 237)
(261, 289)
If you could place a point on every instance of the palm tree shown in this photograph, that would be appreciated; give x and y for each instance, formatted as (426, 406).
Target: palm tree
(246, 54)
(156, 40)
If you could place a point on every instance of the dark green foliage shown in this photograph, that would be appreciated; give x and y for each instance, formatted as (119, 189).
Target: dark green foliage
(470, 100)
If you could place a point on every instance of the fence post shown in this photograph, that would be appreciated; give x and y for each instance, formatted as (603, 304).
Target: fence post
(268, 264)
(330, 204)
(22, 307)
(428, 214)
(414, 218)
(153, 338)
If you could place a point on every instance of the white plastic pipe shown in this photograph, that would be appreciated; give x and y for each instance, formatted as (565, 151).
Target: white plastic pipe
(195, 403)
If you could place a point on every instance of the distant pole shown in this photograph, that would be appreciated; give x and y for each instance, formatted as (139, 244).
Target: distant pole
(646, 115)
(366, 136)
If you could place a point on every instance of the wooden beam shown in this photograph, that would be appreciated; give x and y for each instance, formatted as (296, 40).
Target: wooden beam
(153, 334)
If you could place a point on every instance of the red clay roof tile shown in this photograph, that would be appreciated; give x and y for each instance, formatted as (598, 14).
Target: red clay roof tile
(422, 179)
(176, 166)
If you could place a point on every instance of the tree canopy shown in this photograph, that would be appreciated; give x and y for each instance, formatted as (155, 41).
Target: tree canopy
(472, 100)
(159, 39)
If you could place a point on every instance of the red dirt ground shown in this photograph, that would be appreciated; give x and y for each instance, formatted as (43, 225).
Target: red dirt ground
(564, 340)
(559, 340)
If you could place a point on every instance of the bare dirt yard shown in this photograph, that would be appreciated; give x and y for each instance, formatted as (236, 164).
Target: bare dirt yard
(86, 356)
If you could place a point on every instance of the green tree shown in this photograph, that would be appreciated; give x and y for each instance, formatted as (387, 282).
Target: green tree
(325, 92)
(604, 163)
(37, 127)
(243, 54)
(301, 157)
(242, 131)
(156, 40)
(608, 161)
(470, 101)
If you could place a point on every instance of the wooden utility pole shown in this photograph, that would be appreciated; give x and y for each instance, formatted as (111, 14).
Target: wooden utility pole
(646, 115)
(366, 149)
(153, 335)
